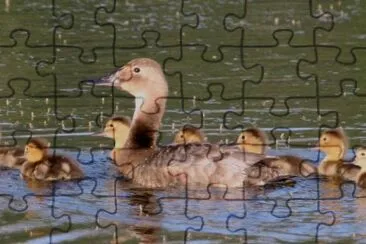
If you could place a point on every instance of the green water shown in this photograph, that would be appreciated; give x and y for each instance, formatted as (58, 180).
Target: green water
(239, 64)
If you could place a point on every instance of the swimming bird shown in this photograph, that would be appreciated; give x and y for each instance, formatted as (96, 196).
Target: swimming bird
(334, 143)
(41, 166)
(255, 140)
(148, 165)
(116, 128)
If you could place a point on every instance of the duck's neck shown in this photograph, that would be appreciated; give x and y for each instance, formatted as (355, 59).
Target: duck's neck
(146, 121)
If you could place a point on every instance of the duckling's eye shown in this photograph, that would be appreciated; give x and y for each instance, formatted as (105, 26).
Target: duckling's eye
(324, 138)
(362, 154)
(136, 70)
(181, 136)
(111, 125)
(243, 137)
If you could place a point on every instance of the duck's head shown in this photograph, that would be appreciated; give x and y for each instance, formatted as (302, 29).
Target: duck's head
(141, 77)
(116, 128)
(189, 135)
(360, 159)
(252, 140)
(35, 150)
(333, 143)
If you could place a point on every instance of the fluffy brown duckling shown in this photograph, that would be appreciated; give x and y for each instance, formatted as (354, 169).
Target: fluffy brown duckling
(254, 140)
(334, 144)
(41, 166)
(189, 134)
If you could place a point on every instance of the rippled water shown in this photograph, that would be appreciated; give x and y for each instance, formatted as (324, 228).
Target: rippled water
(239, 76)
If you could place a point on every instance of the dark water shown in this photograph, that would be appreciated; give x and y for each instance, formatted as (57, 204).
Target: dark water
(237, 62)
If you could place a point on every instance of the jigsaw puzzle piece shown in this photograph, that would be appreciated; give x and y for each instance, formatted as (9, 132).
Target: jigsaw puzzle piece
(27, 212)
(15, 16)
(260, 19)
(68, 73)
(195, 78)
(145, 208)
(280, 78)
(348, 204)
(151, 48)
(303, 223)
(18, 61)
(83, 210)
(128, 30)
(214, 219)
(79, 17)
(332, 74)
(347, 31)
(350, 98)
(210, 32)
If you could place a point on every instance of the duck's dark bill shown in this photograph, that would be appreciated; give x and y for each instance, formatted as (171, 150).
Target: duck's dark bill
(104, 81)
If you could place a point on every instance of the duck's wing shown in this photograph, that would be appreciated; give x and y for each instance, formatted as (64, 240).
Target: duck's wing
(211, 164)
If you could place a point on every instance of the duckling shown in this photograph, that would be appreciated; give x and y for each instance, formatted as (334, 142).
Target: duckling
(360, 160)
(116, 128)
(39, 165)
(189, 134)
(334, 144)
(149, 165)
(255, 140)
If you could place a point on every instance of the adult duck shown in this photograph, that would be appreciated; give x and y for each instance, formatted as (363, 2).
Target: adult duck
(148, 165)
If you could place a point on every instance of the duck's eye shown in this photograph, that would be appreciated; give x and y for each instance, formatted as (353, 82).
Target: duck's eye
(136, 70)
(243, 137)
(111, 125)
(324, 138)
(181, 136)
(362, 154)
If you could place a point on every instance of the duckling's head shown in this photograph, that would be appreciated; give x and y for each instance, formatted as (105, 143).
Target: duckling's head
(189, 135)
(360, 159)
(252, 140)
(117, 128)
(35, 150)
(141, 77)
(334, 143)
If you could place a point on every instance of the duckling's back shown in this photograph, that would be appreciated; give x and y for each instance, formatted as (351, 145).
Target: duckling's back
(64, 168)
(349, 171)
(293, 165)
(11, 157)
